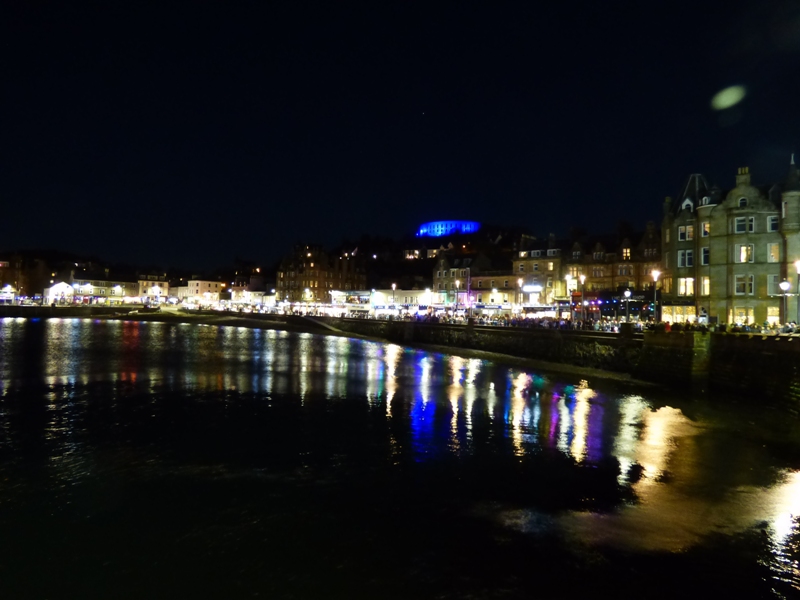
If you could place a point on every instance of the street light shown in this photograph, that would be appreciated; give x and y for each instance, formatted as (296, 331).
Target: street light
(627, 306)
(785, 285)
(656, 274)
(394, 285)
(519, 291)
(568, 277)
(458, 283)
(583, 300)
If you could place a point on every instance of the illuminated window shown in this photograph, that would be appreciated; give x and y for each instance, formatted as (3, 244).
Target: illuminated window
(626, 254)
(685, 286)
(773, 253)
(550, 266)
(705, 229)
(744, 253)
(705, 286)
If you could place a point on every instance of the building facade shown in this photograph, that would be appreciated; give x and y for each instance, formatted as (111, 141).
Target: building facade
(310, 274)
(730, 257)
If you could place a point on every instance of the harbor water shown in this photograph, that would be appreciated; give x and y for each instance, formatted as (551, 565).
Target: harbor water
(165, 460)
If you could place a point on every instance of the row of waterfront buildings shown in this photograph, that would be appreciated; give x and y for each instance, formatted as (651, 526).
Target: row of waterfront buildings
(719, 255)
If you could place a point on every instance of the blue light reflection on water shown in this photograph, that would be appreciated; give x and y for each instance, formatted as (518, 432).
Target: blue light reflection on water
(454, 407)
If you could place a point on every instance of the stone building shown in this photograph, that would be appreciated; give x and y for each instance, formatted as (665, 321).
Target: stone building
(309, 274)
(725, 254)
(615, 262)
(537, 272)
(477, 279)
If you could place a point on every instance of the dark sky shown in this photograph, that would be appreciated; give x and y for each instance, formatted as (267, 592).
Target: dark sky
(186, 134)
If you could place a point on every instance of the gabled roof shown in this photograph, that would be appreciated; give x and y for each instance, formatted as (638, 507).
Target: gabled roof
(695, 190)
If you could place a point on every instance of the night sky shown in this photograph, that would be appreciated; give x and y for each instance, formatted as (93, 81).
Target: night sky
(187, 134)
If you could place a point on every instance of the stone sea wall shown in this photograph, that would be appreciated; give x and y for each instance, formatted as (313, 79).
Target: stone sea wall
(757, 366)
(600, 350)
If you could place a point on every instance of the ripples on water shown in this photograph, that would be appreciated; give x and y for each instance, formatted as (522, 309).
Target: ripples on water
(441, 463)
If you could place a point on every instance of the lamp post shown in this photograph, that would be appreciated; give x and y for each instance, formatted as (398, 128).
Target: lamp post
(519, 292)
(458, 283)
(627, 306)
(394, 286)
(583, 299)
(785, 286)
(656, 274)
(568, 277)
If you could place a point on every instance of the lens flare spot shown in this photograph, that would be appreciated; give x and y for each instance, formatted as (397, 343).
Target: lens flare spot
(730, 96)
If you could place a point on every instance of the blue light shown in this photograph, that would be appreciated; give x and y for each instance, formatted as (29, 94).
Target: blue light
(440, 228)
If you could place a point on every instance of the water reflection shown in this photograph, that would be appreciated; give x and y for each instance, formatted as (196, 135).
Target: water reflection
(688, 477)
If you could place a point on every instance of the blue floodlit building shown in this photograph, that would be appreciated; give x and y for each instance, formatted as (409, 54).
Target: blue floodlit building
(440, 228)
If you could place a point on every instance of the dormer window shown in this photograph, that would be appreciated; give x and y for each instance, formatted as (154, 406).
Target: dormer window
(687, 204)
(742, 202)
(705, 201)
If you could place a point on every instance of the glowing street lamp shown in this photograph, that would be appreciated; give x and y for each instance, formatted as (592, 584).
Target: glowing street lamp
(627, 294)
(785, 286)
(394, 286)
(458, 283)
(519, 291)
(656, 274)
(583, 299)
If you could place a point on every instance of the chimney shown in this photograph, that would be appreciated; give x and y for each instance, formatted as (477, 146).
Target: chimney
(743, 176)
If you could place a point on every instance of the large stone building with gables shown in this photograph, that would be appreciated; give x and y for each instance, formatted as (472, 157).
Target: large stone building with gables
(727, 254)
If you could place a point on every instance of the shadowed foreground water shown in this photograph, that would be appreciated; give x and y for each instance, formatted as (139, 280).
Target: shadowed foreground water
(152, 460)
